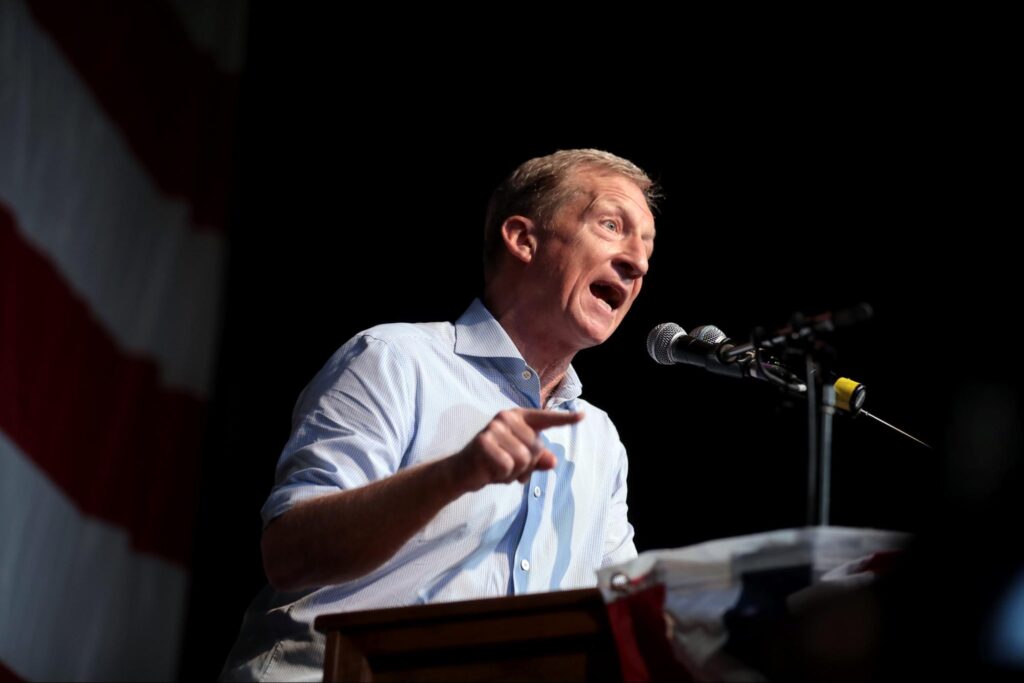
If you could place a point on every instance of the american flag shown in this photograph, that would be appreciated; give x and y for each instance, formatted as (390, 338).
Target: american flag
(116, 125)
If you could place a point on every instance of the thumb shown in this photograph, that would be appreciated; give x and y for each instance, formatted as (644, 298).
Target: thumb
(546, 461)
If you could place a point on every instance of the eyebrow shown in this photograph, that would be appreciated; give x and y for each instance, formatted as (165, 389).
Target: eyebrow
(621, 207)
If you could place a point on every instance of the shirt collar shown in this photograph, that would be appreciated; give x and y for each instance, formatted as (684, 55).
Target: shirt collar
(479, 334)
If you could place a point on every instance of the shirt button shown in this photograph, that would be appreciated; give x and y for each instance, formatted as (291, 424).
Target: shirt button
(527, 374)
(536, 492)
(525, 564)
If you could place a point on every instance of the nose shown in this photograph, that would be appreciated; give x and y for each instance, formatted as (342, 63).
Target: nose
(631, 261)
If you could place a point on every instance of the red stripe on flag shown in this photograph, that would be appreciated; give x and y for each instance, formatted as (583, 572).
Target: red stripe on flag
(93, 418)
(176, 108)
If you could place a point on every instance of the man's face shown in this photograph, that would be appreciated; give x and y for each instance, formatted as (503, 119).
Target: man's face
(593, 256)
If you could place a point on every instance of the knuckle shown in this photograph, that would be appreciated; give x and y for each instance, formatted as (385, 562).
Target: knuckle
(486, 440)
(505, 468)
(525, 453)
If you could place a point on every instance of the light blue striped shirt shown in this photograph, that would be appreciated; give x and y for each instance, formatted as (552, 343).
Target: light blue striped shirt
(401, 394)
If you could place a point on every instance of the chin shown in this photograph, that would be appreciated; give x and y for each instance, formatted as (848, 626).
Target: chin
(593, 330)
(597, 333)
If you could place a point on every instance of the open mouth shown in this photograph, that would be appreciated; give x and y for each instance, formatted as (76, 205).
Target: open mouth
(612, 295)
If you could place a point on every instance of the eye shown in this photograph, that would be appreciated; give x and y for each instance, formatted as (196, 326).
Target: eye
(610, 224)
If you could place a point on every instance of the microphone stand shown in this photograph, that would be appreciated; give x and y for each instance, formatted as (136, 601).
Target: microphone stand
(802, 339)
(821, 408)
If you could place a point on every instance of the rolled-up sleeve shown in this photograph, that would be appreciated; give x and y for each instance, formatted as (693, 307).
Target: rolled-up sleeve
(352, 425)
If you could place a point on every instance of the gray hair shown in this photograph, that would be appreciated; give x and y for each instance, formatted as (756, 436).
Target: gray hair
(539, 187)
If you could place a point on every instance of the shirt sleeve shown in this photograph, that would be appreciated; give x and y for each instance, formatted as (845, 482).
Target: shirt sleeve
(618, 544)
(352, 425)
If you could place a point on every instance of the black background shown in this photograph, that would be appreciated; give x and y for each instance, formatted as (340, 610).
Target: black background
(790, 186)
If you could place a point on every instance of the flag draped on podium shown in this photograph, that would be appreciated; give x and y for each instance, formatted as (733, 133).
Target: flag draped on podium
(115, 154)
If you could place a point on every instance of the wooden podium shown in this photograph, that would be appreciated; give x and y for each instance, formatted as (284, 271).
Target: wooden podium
(560, 636)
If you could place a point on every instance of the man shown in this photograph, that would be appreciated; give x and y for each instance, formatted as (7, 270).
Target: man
(438, 462)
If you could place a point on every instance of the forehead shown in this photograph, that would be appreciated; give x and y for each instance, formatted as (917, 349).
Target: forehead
(593, 186)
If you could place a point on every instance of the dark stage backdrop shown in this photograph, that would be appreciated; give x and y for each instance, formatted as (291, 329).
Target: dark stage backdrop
(362, 199)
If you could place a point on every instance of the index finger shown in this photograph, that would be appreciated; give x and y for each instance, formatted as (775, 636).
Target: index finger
(542, 419)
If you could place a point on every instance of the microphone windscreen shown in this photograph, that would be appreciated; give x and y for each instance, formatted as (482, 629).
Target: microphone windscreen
(709, 334)
(659, 342)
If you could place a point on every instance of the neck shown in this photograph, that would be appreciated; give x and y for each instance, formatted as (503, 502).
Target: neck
(533, 339)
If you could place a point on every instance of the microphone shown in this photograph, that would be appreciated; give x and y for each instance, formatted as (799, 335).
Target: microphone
(709, 348)
(714, 335)
(669, 344)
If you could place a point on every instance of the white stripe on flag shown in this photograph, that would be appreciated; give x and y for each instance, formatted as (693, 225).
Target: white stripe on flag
(82, 197)
(79, 603)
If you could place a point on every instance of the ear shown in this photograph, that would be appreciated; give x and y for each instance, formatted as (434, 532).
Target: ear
(519, 234)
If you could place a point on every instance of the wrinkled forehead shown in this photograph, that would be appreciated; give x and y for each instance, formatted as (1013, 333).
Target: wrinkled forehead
(595, 180)
(593, 183)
